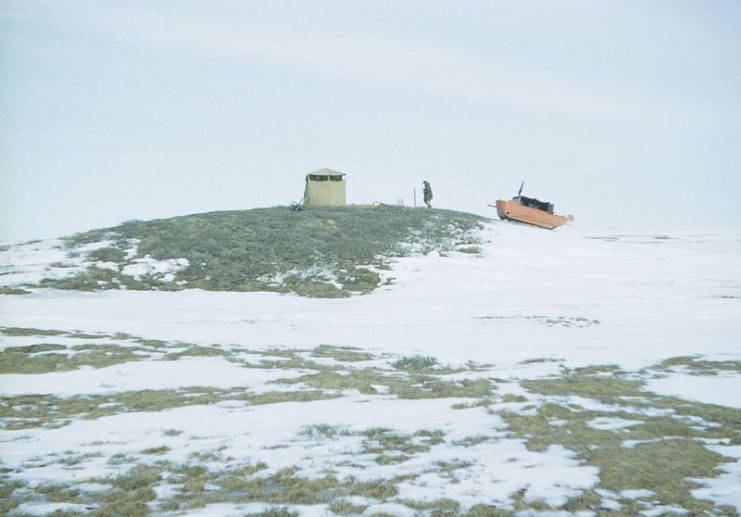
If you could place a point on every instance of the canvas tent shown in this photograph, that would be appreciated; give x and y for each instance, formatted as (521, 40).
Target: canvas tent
(325, 187)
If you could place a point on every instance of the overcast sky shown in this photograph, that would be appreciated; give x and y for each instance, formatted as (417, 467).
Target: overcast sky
(625, 113)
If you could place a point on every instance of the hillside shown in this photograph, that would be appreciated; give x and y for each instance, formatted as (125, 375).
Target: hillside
(330, 252)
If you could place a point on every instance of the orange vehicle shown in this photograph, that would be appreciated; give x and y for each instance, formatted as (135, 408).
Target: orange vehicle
(529, 210)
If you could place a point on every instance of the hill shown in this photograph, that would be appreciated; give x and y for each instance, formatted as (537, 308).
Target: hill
(329, 252)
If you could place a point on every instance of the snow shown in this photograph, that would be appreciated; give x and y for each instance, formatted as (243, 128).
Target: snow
(148, 266)
(248, 434)
(629, 444)
(611, 424)
(31, 262)
(664, 510)
(239, 510)
(635, 494)
(320, 273)
(609, 504)
(502, 468)
(113, 266)
(92, 487)
(724, 390)
(146, 375)
(534, 304)
(437, 305)
(228, 510)
(726, 488)
(391, 509)
(17, 341)
(47, 508)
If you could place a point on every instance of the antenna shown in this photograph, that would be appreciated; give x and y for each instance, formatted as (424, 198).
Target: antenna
(519, 192)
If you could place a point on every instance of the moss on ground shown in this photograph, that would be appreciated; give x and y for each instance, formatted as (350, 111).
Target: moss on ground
(52, 357)
(197, 486)
(10, 493)
(725, 422)
(324, 431)
(408, 386)
(323, 381)
(696, 365)
(22, 331)
(415, 363)
(38, 359)
(661, 452)
(394, 447)
(605, 389)
(13, 290)
(342, 507)
(482, 510)
(342, 353)
(275, 512)
(437, 507)
(30, 411)
(37, 332)
(319, 252)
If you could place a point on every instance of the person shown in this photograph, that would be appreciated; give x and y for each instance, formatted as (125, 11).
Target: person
(427, 194)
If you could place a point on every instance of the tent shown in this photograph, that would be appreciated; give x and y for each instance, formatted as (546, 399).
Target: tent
(325, 187)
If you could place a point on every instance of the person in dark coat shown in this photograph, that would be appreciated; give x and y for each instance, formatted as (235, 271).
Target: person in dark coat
(427, 194)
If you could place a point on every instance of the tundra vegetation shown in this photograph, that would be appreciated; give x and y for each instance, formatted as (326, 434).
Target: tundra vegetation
(318, 252)
(651, 451)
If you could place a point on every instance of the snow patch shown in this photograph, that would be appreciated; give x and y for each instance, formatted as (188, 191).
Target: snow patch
(604, 423)
(636, 493)
(211, 372)
(502, 468)
(726, 488)
(148, 266)
(31, 262)
(47, 508)
(716, 389)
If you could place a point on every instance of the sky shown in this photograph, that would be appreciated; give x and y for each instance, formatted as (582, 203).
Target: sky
(626, 114)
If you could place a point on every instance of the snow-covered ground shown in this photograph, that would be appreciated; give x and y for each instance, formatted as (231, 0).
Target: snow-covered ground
(630, 301)
(534, 305)
(31, 262)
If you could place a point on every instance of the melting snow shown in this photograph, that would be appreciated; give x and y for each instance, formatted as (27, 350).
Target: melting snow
(31, 262)
(717, 389)
(147, 375)
(726, 488)
(148, 266)
(611, 424)
(47, 508)
(653, 299)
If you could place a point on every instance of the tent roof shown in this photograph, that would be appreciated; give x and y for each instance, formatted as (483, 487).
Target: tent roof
(326, 172)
